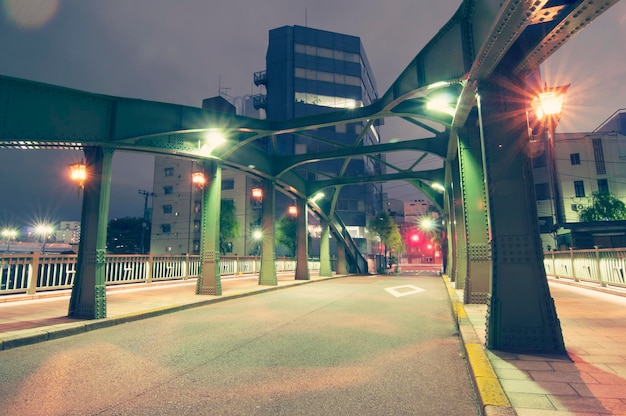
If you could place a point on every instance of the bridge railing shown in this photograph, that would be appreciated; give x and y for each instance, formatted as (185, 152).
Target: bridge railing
(606, 266)
(34, 272)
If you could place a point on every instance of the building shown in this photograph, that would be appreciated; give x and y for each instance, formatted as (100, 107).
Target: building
(413, 210)
(309, 72)
(68, 232)
(177, 204)
(584, 163)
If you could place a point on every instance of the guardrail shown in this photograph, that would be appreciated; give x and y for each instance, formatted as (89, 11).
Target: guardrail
(606, 266)
(34, 272)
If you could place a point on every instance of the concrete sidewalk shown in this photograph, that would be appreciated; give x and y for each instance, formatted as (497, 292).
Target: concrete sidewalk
(591, 381)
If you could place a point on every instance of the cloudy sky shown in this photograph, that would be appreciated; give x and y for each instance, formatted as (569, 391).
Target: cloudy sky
(182, 51)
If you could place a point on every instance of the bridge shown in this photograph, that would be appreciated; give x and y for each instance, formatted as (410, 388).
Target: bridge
(483, 63)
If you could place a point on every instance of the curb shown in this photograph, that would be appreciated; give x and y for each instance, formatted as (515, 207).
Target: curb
(491, 396)
(24, 337)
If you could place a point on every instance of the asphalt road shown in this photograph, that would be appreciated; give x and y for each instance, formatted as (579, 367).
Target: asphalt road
(351, 346)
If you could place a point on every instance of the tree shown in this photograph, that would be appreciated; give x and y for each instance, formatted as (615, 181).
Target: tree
(229, 226)
(286, 231)
(124, 235)
(604, 207)
(386, 229)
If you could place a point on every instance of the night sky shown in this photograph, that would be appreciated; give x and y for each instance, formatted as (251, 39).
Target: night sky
(186, 50)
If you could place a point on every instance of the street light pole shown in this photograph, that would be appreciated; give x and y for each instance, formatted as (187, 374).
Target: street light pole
(144, 224)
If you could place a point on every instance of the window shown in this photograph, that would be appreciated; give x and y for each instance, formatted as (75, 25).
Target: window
(542, 191)
(579, 189)
(196, 226)
(169, 171)
(228, 184)
(168, 190)
(166, 228)
(545, 224)
(598, 153)
(197, 206)
(574, 158)
(603, 185)
(167, 209)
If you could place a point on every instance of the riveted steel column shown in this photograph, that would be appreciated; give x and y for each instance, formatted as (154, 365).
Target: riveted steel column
(521, 313)
(475, 209)
(449, 218)
(302, 241)
(88, 299)
(267, 275)
(325, 268)
(342, 265)
(460, 238)
(209, 281)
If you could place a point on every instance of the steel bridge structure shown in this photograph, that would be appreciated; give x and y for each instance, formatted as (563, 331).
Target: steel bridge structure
(484, 60)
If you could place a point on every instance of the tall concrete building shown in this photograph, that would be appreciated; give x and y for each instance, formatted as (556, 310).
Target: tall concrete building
(309, 72)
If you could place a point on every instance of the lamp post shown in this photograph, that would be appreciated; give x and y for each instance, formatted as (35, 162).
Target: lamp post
(43, 231)
(548, 107)
(9, 234)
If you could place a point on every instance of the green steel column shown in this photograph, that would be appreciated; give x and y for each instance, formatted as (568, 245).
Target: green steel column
(475, 208)
(267, 275)
(448, 203)
(88, 299)
(342, 265)
(325, 268)
(460, 238)
(521, 315)
(209, 281)
(302, 241)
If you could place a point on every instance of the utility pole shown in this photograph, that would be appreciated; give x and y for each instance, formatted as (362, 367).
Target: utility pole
(144, 224)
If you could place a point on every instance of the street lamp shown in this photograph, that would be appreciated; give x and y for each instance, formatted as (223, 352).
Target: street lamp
(292, 210)
(547, 106)
(9, 234)
(44, 231)
(198, 179)
(78, 173)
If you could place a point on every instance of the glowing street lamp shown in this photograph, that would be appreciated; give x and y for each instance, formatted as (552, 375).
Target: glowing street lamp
(257, 193)
(292, 210)
(44, 231)
(212, 139)
(78, 173)
(198, 179)
(548, 107)
(9, 234)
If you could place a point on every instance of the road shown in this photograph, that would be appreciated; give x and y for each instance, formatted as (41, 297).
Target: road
(366, 345)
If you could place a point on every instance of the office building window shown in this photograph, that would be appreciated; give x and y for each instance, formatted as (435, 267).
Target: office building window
(579, 189)
(197, 206)
(603, 185)
(542, 191)
(228, 184)
(574, 158)
(167, 209)
(196, 226)
(168, 190)
(598, 153)
(166, 228)
(169, 171)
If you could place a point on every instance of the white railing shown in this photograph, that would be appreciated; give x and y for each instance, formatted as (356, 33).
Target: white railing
(34, 272)
(606, 266)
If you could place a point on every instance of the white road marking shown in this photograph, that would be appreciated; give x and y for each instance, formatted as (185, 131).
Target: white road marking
(405, 290)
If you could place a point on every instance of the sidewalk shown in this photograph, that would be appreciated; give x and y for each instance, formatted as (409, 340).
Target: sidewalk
(592, 381)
